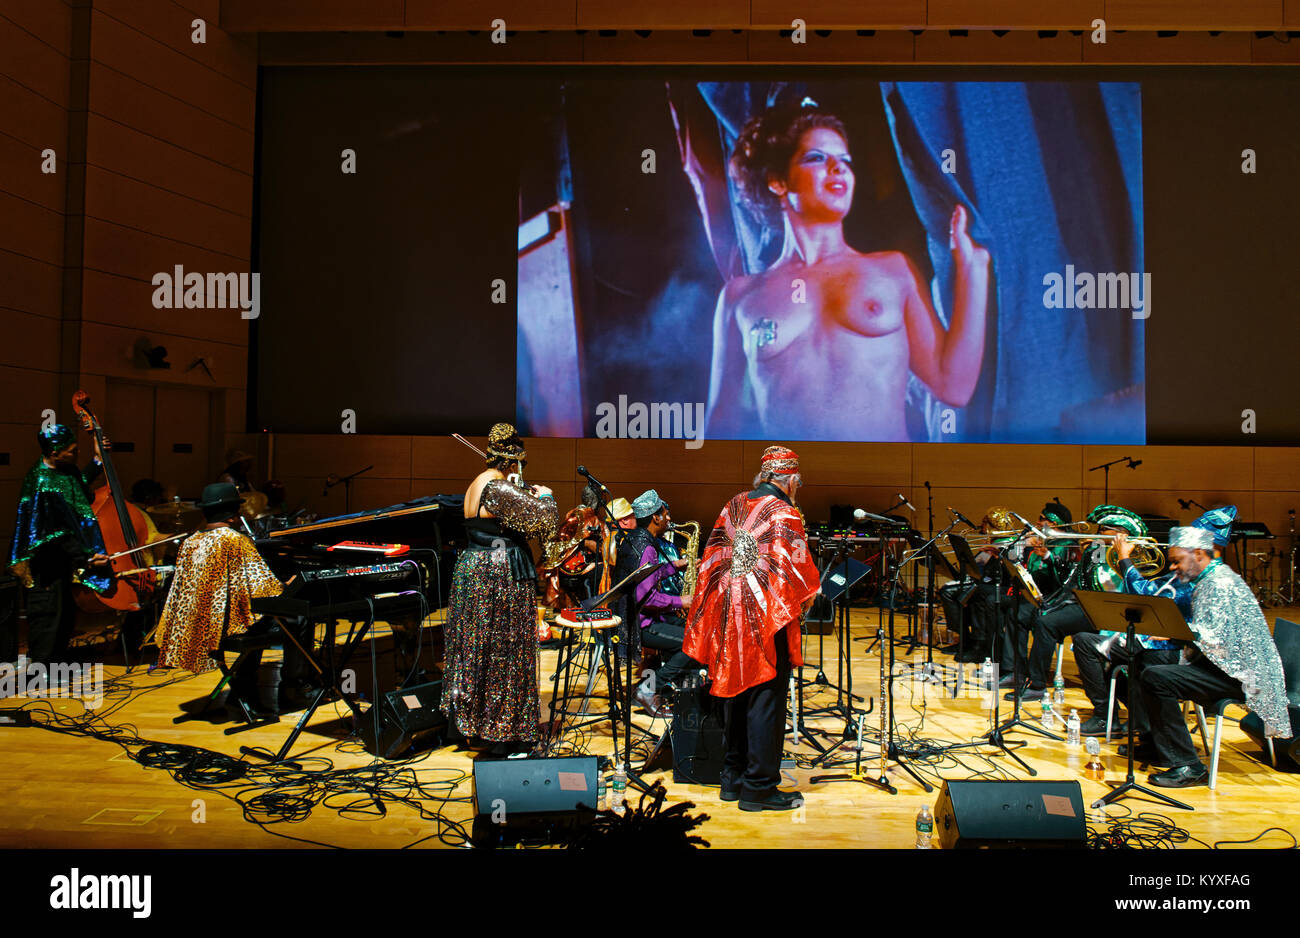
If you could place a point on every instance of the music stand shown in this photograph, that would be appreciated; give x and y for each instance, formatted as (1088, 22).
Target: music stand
(627, 587)
(835, 587)
(1140, 615)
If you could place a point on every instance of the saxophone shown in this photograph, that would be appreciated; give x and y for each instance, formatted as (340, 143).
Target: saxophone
(692, 554)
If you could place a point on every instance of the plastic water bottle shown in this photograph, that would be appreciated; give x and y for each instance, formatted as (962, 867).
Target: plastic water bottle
(924, 828)
(602, 792)
(1058, 692)
(618, 789)
(986, 674)
(1072, 728)
(1048, 717)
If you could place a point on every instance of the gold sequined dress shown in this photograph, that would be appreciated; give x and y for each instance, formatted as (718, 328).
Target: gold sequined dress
(218, 574)
(491, 635)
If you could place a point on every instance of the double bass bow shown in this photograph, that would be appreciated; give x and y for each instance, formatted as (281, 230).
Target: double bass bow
(123, 526)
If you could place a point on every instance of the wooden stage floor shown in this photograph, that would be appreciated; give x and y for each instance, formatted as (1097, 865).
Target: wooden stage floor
(68, 791)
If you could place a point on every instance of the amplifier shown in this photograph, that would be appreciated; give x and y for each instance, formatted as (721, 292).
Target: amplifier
(410, 718)
(533, 800)
(696, 734)
(1010, 814)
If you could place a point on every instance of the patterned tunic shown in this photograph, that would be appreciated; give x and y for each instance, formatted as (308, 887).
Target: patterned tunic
(1232, 632)
(491, 635)
(218, 574)
(756, 574)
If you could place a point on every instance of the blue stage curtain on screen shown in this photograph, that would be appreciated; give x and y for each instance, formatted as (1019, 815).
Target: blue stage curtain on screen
(1053, 175)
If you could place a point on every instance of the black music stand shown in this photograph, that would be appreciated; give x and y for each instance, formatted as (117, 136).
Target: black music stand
(836, 587)
(627, 587)
(1140, 615)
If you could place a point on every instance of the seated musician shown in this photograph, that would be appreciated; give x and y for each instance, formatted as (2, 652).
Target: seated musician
(659, 599)
(983, 604)
(1233, 657)
(1093, 651)
(55, 536)
(218, 574)
(1061, 614)
(1047, 565)
(571, 570)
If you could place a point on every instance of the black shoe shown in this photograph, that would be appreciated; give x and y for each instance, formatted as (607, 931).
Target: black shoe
(1143, 753)
(1185, 776)
(1026, 693)
(730, 794)
(1096, 726)
(1009, 680)
(774, 800)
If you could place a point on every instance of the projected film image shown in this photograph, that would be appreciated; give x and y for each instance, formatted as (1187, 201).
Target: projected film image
(834, 260)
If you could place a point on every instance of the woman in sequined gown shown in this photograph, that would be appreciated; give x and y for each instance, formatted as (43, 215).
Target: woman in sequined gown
(491, 636)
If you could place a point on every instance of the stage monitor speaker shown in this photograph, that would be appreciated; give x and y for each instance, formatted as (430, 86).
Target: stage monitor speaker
(985, 814)
(410, 719)
(696, 734)
(536, 786)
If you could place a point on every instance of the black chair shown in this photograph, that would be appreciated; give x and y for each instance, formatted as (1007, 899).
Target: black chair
(257, 639)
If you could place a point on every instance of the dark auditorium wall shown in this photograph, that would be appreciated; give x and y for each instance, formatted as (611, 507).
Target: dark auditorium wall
(155, 141)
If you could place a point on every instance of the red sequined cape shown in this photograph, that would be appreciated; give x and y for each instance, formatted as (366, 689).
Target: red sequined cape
(755, 576)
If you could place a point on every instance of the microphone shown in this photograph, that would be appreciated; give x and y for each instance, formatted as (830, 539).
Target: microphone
(860, 515)
(905, 502)
(1184, 504)
(1031, 527)
(582, 471)
(962, 518)
(1134, 463)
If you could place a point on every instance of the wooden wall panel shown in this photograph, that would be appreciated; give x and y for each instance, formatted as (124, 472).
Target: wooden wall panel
(318, 455)
(1291, 14)
(32, 286)
(880, 464)
(1173, 468)
(664, 14)
(131, 253)
(120, 47)
(108, 350)
(1194, 14)
(39, 345)
(974, 501)
(416, 48)
(31, 117)
(50, 21)
(168, 24)
(842, 45)
(20, 174)
(1146, 48)
(33, 62)
(120, 201)
(666, 46)
(827, 14)
(1270, 50)
(26, 392)
(239, 16)
(118, 300)
(518, 14)
(982, 46)
(159, 114)
(1277, 468)
(29, 229)
(122, 150)
(1013, 14)
(960, 464)
(619, 460)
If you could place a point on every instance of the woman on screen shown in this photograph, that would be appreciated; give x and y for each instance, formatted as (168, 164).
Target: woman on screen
(819, 345)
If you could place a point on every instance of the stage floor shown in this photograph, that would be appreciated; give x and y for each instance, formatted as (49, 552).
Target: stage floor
(71, 791)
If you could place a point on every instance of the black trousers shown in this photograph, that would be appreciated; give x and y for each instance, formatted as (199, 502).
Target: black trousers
(1164, 686)
(667, 635)
(51, 615)
(976, 642)
(1094, 672)
(1049, 631)
(753, 728)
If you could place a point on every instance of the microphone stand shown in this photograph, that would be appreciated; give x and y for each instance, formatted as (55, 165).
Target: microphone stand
(331, 481)
(1106, 467)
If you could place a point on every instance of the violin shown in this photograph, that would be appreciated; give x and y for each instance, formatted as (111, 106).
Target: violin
(124, 529)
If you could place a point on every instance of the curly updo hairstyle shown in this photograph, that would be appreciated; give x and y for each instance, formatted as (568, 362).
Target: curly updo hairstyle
(766, 145)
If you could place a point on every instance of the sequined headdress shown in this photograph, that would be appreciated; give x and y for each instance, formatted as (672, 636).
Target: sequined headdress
(1191, 538)
(780, 460)
(504, 443)
(54, 438)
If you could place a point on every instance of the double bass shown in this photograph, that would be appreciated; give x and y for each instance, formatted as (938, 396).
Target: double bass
(123, 526)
